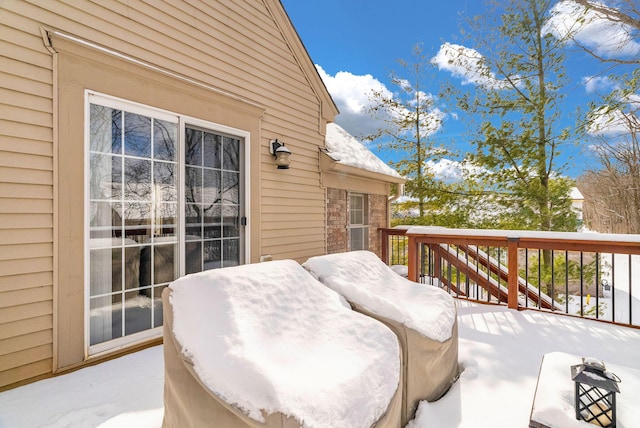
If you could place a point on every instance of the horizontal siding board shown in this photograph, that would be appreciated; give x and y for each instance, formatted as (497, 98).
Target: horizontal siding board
(298, 233)
(316, 203)
(15, 97)
(27, 161)
(20, 266)
(299, 224)
(271, 195)
(296, 210)
(25, 251)
(27, 371)
(295, 240)
(26, 206)
(21, 327)
(25, 146)
(22, 312)
(25, 221)
(300, 252)
(23, 297)
(287, 216)
(24, 281)
(24, 175)
(28, 39)
(14, 67)
(22, 84)
(25, 191)
(27, 131)
(25, 341)
(26, 356)
(25, 115)
(30, 236)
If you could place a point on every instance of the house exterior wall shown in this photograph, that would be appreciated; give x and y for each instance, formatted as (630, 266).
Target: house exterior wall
(254, 76)
(338, 218)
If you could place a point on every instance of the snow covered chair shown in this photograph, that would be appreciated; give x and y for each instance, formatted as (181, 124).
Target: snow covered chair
(267, 345)
(422, 316)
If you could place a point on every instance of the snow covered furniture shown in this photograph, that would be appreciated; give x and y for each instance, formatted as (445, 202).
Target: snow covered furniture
(267, 345)
(422, 316)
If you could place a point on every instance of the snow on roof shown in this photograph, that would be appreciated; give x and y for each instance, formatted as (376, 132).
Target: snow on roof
(347, 150)
(363, 278)
(269, 336)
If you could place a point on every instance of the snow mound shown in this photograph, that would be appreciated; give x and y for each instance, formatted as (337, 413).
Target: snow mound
(270, 337)
(361, 277)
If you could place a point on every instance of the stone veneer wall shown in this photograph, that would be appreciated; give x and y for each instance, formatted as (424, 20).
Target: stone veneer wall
(338, 220)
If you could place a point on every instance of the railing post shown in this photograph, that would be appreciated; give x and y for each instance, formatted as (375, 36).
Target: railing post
(412, 261)
(512, 265)
(384, 238)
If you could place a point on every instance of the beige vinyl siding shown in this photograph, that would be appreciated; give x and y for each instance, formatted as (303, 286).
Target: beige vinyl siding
(26, 202)
(243, 48)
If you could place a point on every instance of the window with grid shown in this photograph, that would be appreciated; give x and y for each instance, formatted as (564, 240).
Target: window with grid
(358, 222)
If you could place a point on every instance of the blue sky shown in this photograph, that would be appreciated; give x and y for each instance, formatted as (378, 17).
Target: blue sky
(356, 44)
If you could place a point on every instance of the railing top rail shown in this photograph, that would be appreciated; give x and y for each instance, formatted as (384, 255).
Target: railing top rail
(526, 235)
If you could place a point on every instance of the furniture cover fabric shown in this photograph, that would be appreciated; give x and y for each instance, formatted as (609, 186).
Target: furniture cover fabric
(422, 316)
(276, 309)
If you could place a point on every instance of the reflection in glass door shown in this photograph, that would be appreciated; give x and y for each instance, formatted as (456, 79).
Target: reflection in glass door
(212, 200)
(147, 208)
(133, 206)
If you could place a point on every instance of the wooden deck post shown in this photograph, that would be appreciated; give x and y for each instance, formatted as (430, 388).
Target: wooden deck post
(512, 265)
(412, 261)
(384, 238)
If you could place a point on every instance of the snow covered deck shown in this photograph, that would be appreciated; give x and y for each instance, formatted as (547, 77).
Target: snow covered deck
(500, 351)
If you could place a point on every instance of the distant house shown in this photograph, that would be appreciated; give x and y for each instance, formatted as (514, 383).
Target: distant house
(135, 148)
(577, 202)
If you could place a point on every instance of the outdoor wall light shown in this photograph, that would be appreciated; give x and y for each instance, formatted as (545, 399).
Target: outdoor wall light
(280, 154)
(595, 393)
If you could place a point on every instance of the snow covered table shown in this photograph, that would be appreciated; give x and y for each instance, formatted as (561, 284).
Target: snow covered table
(553, 403)
(267, 345)
(422, 316)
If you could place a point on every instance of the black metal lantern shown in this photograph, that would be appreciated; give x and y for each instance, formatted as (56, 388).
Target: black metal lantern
(595, 393)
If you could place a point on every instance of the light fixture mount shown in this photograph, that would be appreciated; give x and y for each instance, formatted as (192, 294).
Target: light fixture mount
(280, 153)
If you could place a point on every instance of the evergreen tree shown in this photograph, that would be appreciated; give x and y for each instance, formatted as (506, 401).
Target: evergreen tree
(517, 94)
(409, 117)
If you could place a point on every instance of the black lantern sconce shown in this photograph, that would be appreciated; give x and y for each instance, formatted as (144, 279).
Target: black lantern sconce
(280, 154)
(595, 393)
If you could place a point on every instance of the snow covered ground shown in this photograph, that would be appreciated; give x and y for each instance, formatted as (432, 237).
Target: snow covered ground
(500, 355)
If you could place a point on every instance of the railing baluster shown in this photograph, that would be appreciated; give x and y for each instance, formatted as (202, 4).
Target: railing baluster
(539, 276)
(630, 290)
(613, 287)
(566, 281)
(526, 277)
(581, 283)
(597, 280)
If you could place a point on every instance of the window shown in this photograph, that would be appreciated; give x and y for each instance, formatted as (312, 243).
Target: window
(144, 228)
(358, 222)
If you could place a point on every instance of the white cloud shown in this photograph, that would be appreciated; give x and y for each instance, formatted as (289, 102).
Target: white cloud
(611, 122)
(352, 93)
(594, 84)
(467, 64)
(587, 27)
(452, 170)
